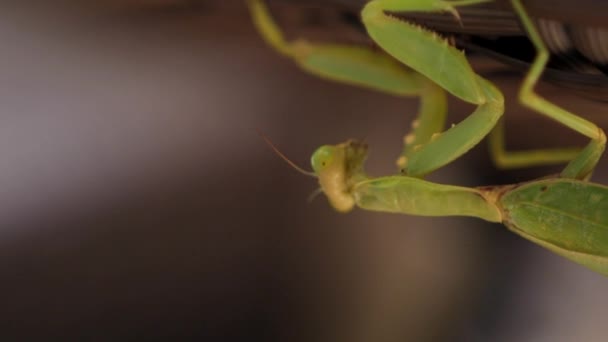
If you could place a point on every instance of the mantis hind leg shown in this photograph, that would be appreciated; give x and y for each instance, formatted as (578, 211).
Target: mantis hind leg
(517, 159)
(582, 165)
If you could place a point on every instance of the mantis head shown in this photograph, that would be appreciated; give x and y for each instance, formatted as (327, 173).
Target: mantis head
(338, 167)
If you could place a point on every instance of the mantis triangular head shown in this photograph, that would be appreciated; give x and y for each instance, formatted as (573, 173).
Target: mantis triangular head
(337, 167)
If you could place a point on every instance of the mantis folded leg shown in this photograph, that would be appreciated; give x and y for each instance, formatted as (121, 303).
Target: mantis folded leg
(433, 57)
(388, 32)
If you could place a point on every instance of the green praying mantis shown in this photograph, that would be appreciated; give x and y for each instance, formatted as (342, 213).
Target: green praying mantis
(565, 213)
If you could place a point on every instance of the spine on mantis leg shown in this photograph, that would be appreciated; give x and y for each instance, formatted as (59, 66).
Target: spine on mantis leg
(414, 196)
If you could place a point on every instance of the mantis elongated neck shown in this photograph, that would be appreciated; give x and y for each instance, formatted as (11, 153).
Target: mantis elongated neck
(414, 196)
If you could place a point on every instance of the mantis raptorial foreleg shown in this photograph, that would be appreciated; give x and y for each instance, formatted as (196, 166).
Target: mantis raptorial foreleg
(433, 57)
(386, 32)
(363, 67)
(583, 164)
(425, 148)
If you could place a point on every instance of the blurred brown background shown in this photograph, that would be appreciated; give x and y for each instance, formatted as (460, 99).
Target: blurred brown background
(137, 201)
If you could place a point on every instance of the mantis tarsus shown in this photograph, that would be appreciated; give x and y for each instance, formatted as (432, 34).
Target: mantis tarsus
(564, 213)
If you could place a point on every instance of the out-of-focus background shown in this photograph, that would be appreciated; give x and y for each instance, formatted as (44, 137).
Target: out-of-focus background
(137, 201)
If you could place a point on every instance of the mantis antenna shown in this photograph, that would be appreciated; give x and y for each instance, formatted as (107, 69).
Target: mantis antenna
(287, 160)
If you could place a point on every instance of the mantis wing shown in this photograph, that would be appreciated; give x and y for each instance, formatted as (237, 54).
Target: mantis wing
(569, 217)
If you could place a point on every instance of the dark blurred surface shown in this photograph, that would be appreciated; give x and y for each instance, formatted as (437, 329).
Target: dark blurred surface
(138, 202)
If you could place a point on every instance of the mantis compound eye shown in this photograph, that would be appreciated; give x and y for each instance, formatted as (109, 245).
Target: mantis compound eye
(323, 158)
